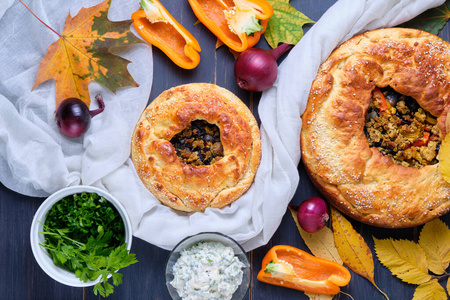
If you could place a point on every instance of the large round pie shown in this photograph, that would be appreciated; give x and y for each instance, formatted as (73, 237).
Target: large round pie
(196, 146)
(376, 158)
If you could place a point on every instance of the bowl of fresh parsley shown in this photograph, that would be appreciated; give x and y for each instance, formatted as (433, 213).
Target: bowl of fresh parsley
(81, 236)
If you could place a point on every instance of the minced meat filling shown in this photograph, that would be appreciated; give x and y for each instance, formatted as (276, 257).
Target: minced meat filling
(198, 144)
(399, 128)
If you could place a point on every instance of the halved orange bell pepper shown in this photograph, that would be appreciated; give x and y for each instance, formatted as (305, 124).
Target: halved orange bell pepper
(296, 269)
(159, 28)
(239, 24)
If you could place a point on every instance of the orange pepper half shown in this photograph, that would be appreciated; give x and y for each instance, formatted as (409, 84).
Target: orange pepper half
(296, 269)
(228, 20)
(160, 29)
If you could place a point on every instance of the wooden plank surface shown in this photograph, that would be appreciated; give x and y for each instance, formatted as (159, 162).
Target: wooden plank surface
(22, 278)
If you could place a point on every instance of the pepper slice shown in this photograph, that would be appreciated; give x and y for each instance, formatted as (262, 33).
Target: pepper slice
(422, 141)
(296, 269)
(159, 28)
(378, 96)
(239, 24)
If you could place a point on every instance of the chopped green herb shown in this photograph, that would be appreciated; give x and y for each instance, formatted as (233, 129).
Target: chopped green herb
(85, 234)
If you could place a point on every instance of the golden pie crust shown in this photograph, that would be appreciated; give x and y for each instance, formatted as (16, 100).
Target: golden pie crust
(359, 180)
(187, 187)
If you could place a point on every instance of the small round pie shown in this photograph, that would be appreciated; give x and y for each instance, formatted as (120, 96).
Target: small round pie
(363, 178)
(196, 146)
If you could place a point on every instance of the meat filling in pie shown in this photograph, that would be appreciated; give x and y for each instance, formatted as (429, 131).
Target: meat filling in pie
(198, 144)
(402, 130)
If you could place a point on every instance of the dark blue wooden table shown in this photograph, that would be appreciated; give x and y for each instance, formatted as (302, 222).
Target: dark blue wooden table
(22, 278)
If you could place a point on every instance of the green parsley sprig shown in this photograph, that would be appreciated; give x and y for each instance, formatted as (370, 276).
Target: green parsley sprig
(85, 234)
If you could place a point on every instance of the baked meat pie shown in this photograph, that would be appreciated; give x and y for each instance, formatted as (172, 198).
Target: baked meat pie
(196, 146)
(373, 126)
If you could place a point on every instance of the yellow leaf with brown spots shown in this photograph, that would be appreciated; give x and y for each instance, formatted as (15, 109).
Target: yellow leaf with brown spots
(405, 259)
(435, 241)
(352, 248)
(320, 243)
(430, 290)
(219, 43)
(448, 285)
(82, 54)
(319, 296)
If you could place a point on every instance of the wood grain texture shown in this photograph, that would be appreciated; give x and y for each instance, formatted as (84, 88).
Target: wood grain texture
(21, 278)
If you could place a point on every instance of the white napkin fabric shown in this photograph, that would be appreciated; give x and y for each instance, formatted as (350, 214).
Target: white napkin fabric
(36, 160)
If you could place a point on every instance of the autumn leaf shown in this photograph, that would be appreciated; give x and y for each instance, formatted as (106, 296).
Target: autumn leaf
(448, 285)
(430, 290)
(219, 43)
(319, 296)
(285, 25)
(352, 248)
(320, 243)
(432, 20)
(82, 54)
(435, 241)
(405, 259)
(444, 158)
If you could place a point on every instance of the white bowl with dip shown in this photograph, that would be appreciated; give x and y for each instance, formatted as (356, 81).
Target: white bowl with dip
(209, 237)
(43, 258)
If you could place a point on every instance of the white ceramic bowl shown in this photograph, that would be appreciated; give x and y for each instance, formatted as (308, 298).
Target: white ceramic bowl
(210, 237)
(43, 258)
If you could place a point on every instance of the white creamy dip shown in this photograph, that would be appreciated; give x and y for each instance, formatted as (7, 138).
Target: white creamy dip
(207, 270)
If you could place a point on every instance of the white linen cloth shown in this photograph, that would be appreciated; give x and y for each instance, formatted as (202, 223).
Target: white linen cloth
(36, 160)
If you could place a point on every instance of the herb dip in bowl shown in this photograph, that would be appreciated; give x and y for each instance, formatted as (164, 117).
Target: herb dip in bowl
(208, 265)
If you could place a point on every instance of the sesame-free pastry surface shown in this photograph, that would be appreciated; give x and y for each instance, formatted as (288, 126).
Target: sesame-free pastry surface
(196, 146)
(373, 125)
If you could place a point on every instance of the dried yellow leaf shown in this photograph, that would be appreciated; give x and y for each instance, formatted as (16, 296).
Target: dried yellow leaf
(430, 290)
(444, 158)
(405, 259)
(219, 43)
(320, 243)
(435, 241)
(448, 285)
(319, 296)
(352, 248)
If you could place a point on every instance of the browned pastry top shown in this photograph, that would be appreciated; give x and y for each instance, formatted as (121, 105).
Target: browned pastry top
(356, 178)
(179, 156)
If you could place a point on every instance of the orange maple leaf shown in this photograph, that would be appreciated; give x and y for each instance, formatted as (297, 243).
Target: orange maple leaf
(82, 54)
